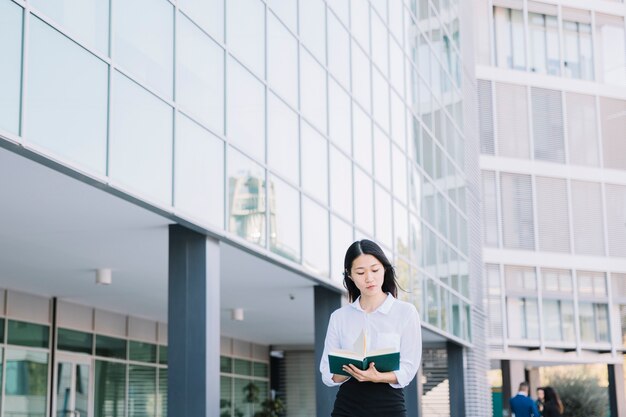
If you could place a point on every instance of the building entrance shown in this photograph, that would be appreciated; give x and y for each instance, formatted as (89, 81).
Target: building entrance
(73, 386)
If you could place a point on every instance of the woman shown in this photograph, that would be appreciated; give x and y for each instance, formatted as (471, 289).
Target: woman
(374, 317)
(541, 397)
(552, 406)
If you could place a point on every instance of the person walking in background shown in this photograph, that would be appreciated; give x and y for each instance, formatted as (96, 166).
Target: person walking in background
(371, 283)
(540, 399)
(552, 407)
(522, 405)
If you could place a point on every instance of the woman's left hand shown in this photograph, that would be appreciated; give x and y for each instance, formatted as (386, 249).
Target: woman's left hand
(371, 374)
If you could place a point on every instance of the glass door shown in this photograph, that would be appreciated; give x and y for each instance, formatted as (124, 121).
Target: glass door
(73, 386)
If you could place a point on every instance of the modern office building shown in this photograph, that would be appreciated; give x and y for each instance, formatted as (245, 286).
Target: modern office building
(552, 104)
(179, 181)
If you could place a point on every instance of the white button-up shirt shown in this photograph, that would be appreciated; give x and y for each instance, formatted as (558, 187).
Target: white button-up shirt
(395, 324)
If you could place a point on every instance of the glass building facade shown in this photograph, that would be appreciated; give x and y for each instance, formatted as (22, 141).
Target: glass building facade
(291, 127)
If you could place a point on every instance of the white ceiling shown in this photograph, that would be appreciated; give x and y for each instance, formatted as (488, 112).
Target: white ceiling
(56, 230)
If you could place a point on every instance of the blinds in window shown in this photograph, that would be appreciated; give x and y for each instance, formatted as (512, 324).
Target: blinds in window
(613, 116)
(141, 391)
(552, 214)
(548, 125)
(616, 219)
(494, 301)
(517, 211)
(512, 120)
(110, 392)
(582, 129)
(485, 118)
(587, 218)
(490, 209)
(298, 374)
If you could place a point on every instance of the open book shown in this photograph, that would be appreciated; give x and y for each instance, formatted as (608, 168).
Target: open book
(385, 360)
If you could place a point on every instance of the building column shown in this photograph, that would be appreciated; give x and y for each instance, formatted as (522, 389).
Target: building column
(617, 396)
(512, 375)
(193, 324)
(413, 397)
(456, 379)
(534, 381)
(326, 301)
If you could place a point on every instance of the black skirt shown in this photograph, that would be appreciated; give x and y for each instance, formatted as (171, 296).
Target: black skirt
(368, 399)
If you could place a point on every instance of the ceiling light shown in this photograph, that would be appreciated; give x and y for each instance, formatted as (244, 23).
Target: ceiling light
(237, 314)
(103, 276)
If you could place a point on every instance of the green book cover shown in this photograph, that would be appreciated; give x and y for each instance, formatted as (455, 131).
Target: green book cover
(385, 361)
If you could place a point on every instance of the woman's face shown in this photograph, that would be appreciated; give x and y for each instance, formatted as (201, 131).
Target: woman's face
(368, 274)
(540, 395)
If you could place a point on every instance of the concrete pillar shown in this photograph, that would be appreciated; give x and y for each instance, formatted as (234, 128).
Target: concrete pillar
(456, 378)
(512, 375)
(193, 324)
(326, 301)
(534, 380)
(412, 398)
(617, 396)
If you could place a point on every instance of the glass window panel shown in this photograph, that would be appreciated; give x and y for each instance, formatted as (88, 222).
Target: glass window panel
(142, 352)
(287, 11)
(226, 396)
(399, 174)
(245, 111)
(313, 90)
(537, 39)
(67, 98)
(587, 327)
(88, 20)
(208, 14)
(552, 320)
(490, 209)
(141, 391)
(363, 201)
(381, 100)
(141, 130)
(162, 355)
(314, 158)
(338, 51)
(361, 73)
(110, 389)
(515, 316)
(154, 38)
(571, 52)
(587, 216)
(610, 47)
(199, 172)
(11, 68)
(622, 314)
(341, 238)
(200, 75)
(512, 120)
(548, 125)
(552, 45)
(162, 393)
(282, 65)
(602, 322)
(384, 228)
(242, 366)
(246, 198)
(399, 124)
(586, 51)
(517, 211)
(532, 319)
(582, 129)
(401, 229)
(2, 321)
(82, 388)
(342, 10)
(432, 303)
(245, 29)
(552, 214)
(260, 369)
(26, 385)
(360, 22)
(226, 364)
(282, 139)
(396, 66)
(613, 125)
(382, 161)
(315, 241)
(395, 19)
(312, 27)
(284, 220)
(339, 119)
(567, 321)
(28, 334)
(75, 341)
(362, 128)
(110, 347)
(341, 191)
(380, 48)
(64, 387)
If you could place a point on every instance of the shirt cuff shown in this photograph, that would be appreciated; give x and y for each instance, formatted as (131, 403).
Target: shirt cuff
(401, 383)
(330, 383)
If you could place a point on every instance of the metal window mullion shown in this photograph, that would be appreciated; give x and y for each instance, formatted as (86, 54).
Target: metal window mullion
(539, 281)
(595, 64)
(526, 37)
(175, 103)
(268, 207)
(560, 34)
(24, 73)
(504, 309)
(611, 320)
(576, 311)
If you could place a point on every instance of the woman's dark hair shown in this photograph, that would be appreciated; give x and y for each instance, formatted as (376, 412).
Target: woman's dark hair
(552, 396)
(367, 247)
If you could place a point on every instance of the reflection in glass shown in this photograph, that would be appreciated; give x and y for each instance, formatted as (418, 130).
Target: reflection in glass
(81, 389)
(246, 198)
(359, 22)
(110, 389)
(209, 14)
(110, 347)
(162, 393)
(339, 120)
(544, 43)
(578, 51)
(509, 38)
(315, 237)
(199, 172)
(401, 229)
(282, 65)
(74, 341)
(28, 334)
(141, 130)
(582, 129)
(314, 163)
(338, 51)
(287, 11)
(340, 184)
(341, 238)
(382, 160)
(67, 98)
(153, 37)
(284, 219)
(200, 75)
(380, 100)
(432, 303)
(11, 68)
(64, 388)
(363, 201)
(313, 91)
(142, 352)
(361, 73)
(245, 111)
(87, 20)
(26, 384)
(282, 139)
(399, 174)
(380, 48)
(384, 227)
(142, 391)
(610, 47)
(312, 24)
(362, 128)
(245, 29)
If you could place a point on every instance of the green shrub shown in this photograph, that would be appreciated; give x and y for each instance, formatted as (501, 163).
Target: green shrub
(581, 394)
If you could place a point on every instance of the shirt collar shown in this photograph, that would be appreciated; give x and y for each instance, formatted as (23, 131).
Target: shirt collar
(384, 308)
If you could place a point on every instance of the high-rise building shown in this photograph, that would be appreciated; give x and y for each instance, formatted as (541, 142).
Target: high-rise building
(211, 161)
(552, 121)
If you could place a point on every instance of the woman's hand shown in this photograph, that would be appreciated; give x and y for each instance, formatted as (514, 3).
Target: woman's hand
(371, 374)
